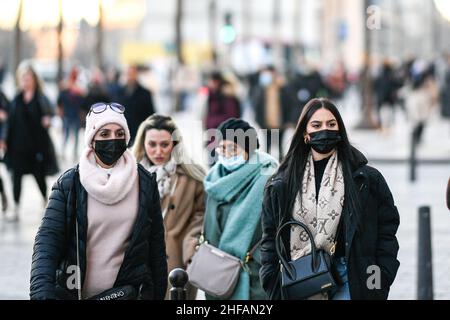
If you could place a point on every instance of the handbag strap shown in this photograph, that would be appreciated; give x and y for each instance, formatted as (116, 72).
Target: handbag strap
(314, 261)
(333, 247)
(249, 255)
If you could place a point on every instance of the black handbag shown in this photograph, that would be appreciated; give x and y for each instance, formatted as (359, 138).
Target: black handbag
(308, 275)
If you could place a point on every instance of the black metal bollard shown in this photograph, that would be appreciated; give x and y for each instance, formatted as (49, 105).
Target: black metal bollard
(412, 157)
(178, 278)
(448, 194)
(425, 266)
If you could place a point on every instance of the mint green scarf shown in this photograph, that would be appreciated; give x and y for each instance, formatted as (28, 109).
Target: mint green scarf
(243, 189)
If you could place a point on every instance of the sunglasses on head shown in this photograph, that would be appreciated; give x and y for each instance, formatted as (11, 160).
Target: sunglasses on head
(102, 106)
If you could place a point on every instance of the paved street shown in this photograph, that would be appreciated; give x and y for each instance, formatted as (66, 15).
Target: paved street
(16, 239)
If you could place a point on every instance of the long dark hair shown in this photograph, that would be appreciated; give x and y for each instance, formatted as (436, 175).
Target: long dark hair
(293, 165)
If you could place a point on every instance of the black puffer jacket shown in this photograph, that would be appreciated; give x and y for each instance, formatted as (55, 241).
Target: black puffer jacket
(144, 265)
(376, 245)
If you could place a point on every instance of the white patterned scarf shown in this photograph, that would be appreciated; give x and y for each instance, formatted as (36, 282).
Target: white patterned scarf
(164, 175)
(322, 216)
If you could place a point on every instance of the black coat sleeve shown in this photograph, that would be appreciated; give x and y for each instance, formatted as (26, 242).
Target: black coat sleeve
(148, 102)
(158, 257)
(269, 271)
(49, 245)
(387, 244)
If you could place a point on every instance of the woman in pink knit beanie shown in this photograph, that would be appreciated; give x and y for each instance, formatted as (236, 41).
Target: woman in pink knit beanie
(102, 236)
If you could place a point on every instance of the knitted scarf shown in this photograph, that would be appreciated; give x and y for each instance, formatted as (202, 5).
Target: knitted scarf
(108, 188)
(243, 189)
(164, 174)
(321, 216)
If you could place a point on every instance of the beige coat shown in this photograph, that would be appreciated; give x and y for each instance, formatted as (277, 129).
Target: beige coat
(183, 221)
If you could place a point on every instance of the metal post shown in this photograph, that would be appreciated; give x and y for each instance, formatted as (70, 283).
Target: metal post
(178, 278)
(448, 194)
(412, 157)
(212, 9)
(100, 37)
(425, 267)
(18, 39)
(60, 72)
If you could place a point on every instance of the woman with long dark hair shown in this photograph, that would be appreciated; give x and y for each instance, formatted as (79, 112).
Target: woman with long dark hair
(326, 183)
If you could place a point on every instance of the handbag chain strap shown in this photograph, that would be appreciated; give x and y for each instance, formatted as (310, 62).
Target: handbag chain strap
(333, 247)
(248, 256)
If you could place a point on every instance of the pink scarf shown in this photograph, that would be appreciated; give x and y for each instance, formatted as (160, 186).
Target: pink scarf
(102, 186)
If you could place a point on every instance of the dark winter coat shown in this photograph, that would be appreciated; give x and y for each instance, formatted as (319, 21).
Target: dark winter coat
(258, 101)
(96, 93)
(138, 107)
(221, 107)
(376, 245)
(302, 88)
(445, 97)
(4, 106)
(386, 87)
(29, 146)
(145, 261)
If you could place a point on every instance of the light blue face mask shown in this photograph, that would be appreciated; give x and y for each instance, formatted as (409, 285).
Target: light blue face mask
(232, 163)
(265, 79)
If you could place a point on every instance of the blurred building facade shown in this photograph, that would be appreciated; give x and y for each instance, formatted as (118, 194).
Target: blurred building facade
(267, 31)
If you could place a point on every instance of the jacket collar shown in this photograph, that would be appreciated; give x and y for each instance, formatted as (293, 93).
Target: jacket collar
(357, 163)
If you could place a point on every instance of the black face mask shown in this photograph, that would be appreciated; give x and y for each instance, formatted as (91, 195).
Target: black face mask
(109, 151)
(324, 141)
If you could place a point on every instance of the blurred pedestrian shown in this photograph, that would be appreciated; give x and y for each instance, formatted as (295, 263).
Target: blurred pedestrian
(386, 88)
(4, 109)
(139, 101)
(97, 92)
(234, 188)
(113, 86)
(184, 83)
(103, 217)
(222, 102)
(159, 147)
(445, 91)
(2, 70)
(422, 98)
(337, 81)
(271, 105)
(69, 104)
(325, 183)
(29, 148)
(307, 83)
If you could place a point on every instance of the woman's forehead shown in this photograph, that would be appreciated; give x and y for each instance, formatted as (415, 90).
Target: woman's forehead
(155, 134)
(322, 115)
